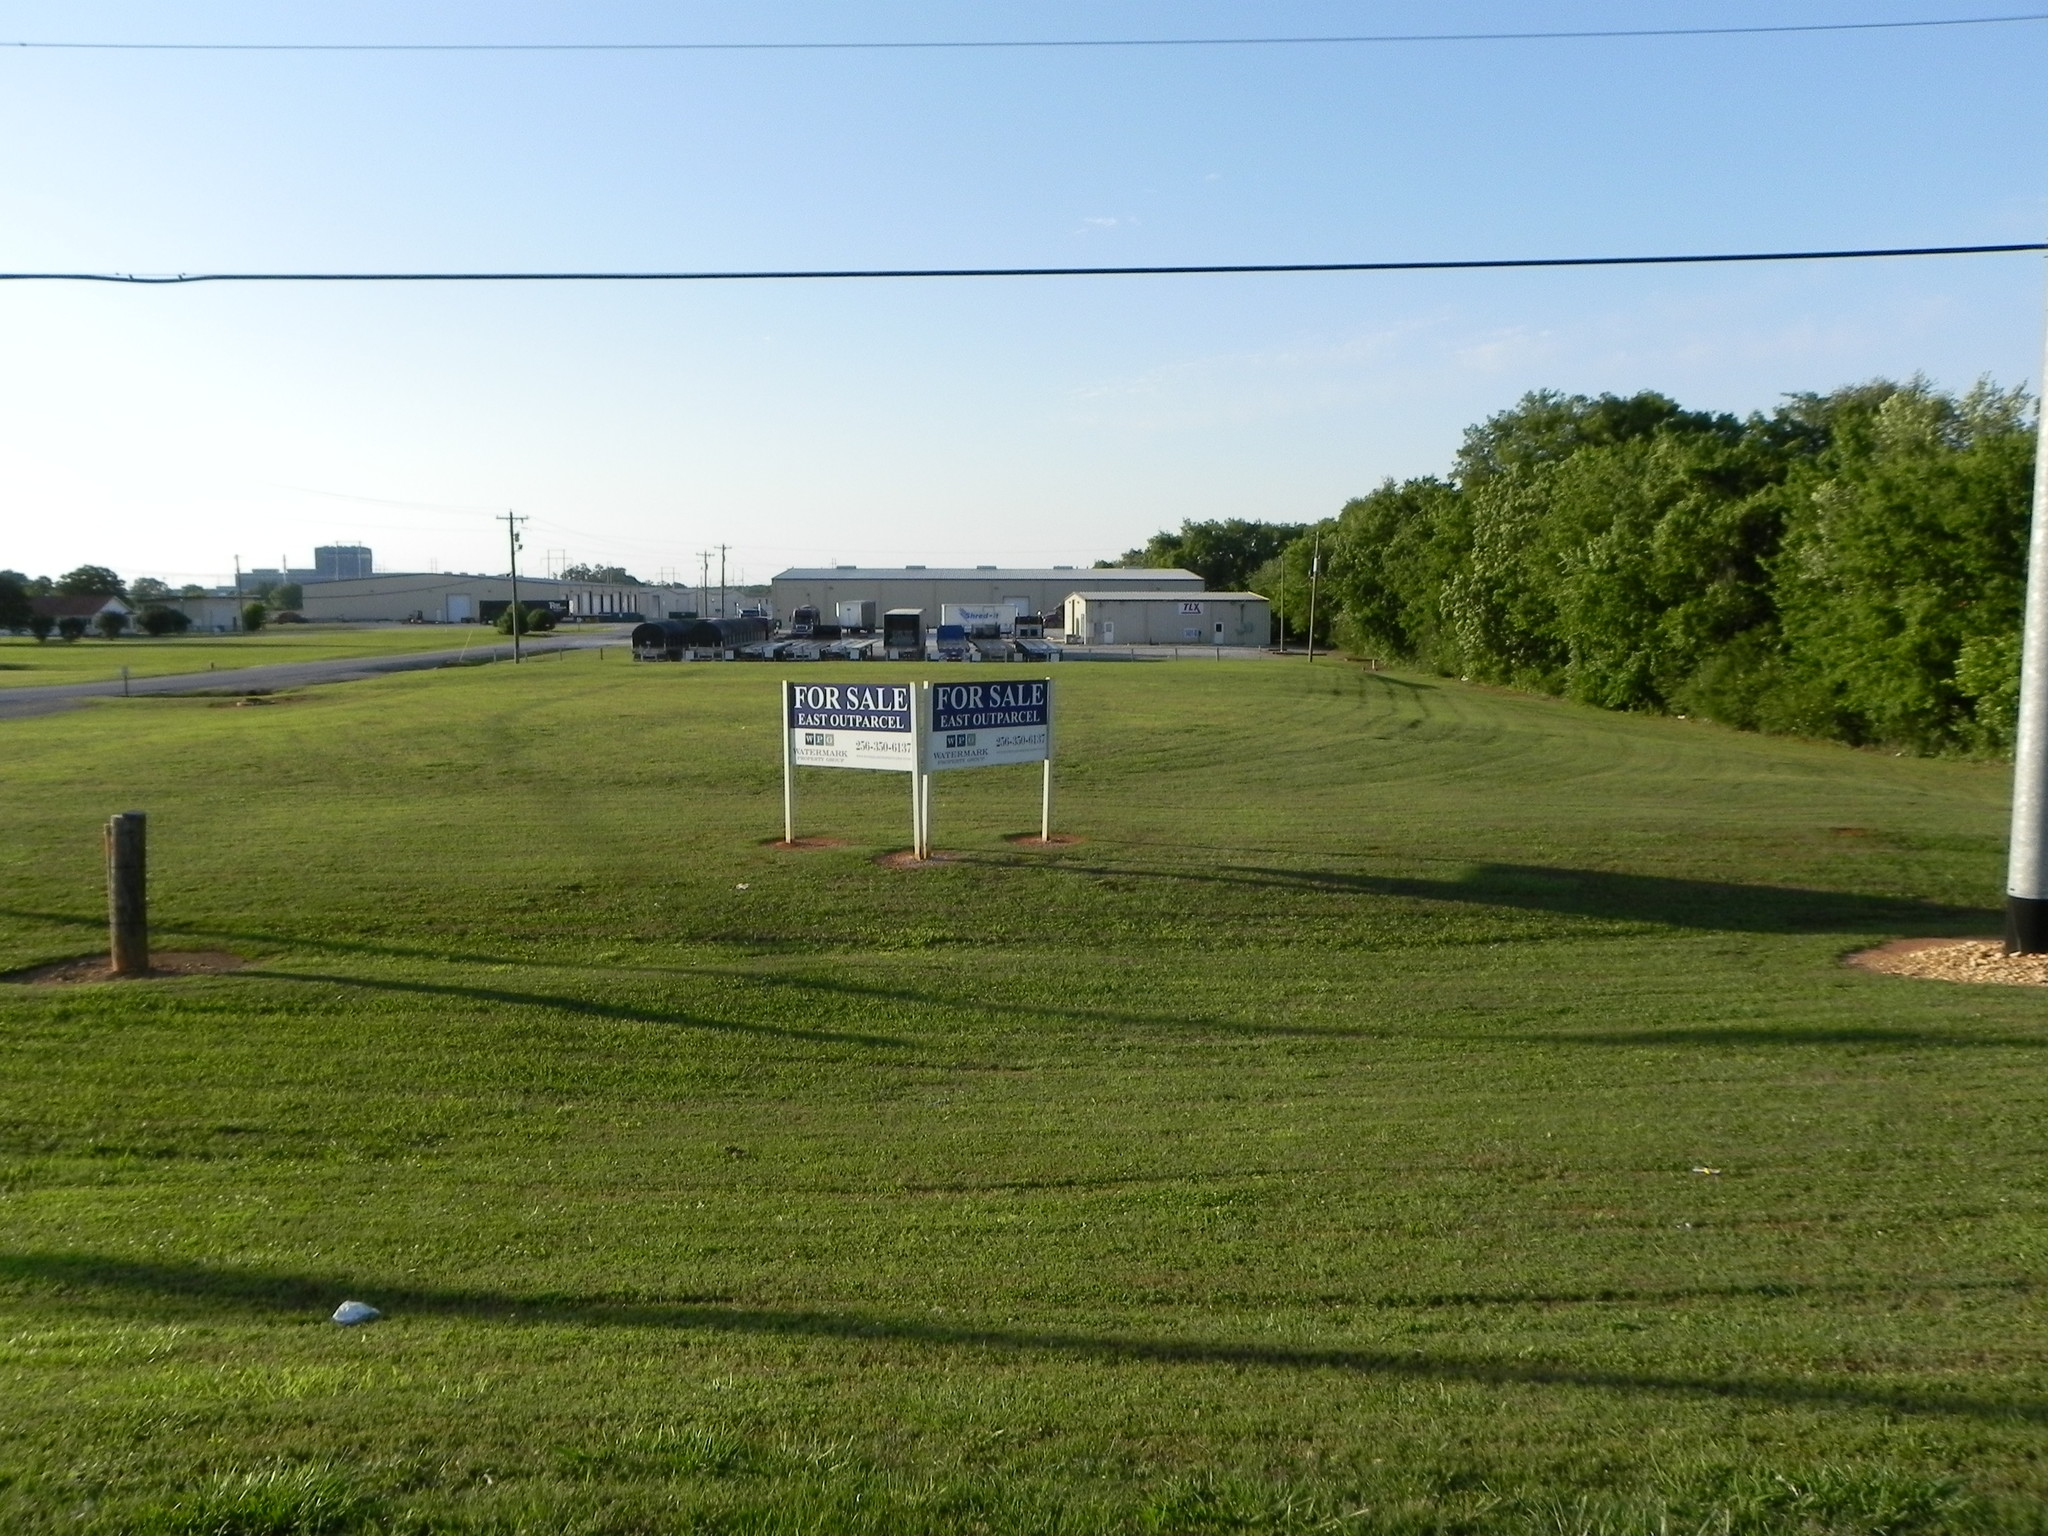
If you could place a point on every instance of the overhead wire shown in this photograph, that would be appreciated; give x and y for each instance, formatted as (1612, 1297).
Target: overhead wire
(823, 274)
(968, 44)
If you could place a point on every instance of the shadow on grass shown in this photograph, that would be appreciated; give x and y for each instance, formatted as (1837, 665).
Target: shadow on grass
(958, 1002)
(286, 940)
(947, 1002)
(1749, 1035)
(950, 1005)
(590, 1007)
(228, 1290)
(1604, 895)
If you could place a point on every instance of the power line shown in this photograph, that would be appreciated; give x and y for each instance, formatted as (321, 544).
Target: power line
(966, 44)
(737, 275)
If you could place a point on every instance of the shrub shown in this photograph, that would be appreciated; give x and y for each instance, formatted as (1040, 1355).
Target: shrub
(110, 624)
(159, 622)
(533, 619)
(253, 616)
(14, 606)
(40, 625)
(71, 627)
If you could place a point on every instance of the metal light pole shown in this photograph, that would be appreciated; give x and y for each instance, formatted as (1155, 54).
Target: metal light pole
(512, 523)
(2026, 879)
(1315, 569)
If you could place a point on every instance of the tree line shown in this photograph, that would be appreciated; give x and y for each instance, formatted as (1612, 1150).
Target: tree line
(152, 599)
(1850, 565)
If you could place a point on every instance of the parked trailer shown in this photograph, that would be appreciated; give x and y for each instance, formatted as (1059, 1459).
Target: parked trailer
(981, 621)
(672, 639)
(903, 634)
(869, 649)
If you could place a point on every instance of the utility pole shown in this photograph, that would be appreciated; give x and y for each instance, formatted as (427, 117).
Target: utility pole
(1315, 569)
(237, 620)
(721, 580)
(703, 583)
(512, 522)
(2026, 881)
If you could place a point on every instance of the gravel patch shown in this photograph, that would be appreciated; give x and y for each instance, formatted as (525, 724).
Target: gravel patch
(1980, 960)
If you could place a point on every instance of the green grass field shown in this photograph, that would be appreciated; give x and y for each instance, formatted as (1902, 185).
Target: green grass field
(1315, 1147)
(24, 662)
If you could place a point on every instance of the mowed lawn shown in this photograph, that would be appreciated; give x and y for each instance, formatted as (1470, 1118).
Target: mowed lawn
(1411, 1108)
(25, 662)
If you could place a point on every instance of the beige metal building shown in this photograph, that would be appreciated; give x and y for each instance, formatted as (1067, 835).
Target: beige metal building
(1168, 618)
(1039, 589)
(454, 598)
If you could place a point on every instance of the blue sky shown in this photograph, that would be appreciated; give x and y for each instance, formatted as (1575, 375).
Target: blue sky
(1038, 421)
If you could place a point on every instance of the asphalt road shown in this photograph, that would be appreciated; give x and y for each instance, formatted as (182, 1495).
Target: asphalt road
(19, 703)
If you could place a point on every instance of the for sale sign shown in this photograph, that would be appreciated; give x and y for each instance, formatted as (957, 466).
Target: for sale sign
(980, 725)
(852, 725)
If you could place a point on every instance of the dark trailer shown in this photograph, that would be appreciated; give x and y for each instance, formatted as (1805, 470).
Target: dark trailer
(672, 639)
(903, 634)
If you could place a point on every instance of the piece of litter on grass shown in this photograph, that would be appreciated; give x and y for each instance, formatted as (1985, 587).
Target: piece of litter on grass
(350, 1313)
(741, 886)
(1706, 1170)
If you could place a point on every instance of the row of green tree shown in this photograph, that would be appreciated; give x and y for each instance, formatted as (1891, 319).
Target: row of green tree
(103, 581)
(1849, 566)
(152, 598)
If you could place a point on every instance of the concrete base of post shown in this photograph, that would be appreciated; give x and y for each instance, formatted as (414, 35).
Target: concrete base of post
(2026, 925)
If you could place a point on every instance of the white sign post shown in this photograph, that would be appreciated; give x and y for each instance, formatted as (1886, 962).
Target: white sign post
(985, 725)
(920, 791)
(849, 725)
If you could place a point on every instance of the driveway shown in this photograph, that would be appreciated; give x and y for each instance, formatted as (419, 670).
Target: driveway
(18, 703)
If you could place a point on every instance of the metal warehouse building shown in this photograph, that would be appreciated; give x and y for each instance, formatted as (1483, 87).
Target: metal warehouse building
(1038, 589)
(1169, 618)
(453, 598)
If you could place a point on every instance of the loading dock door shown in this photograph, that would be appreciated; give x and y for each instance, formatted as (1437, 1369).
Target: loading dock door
(461, 608)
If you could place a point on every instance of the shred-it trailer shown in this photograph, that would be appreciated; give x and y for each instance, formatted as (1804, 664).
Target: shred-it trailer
(917, 728)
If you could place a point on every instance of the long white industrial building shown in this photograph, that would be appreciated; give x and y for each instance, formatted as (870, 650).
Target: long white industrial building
(1035, 589)
(453, 598)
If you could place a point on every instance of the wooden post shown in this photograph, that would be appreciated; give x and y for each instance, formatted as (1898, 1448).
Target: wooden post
(128, 893)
